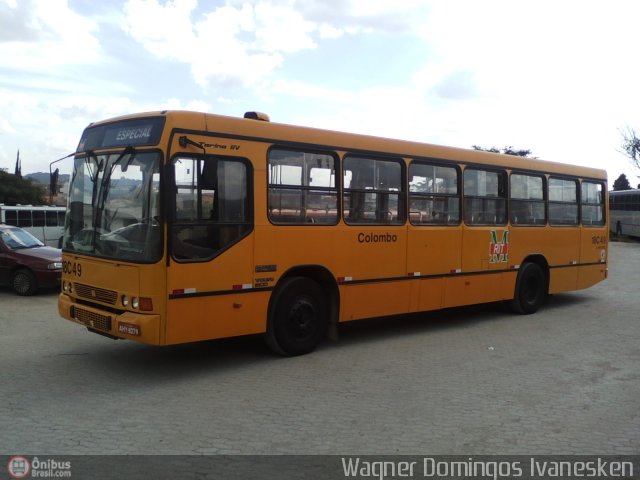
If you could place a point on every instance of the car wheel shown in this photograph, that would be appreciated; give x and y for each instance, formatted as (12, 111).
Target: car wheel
(24, 282)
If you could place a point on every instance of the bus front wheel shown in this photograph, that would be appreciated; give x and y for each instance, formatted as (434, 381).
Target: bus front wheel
(531, 289)
(298, 317)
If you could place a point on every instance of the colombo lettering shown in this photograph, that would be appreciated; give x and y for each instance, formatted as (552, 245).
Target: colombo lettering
(377, 238)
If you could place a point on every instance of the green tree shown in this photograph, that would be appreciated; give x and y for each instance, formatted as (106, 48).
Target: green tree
(16, 190)
(621, 183)
(506, 151)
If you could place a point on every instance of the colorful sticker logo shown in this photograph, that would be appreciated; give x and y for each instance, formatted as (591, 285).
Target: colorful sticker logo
(499, 247)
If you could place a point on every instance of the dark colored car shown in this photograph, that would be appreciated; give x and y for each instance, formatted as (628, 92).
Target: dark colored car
(26, 264)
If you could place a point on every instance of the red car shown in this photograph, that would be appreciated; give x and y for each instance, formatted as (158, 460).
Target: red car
(26, 264)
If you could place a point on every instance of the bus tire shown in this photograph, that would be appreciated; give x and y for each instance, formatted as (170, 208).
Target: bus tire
(24, 282)
(531, 289)
(298, 317)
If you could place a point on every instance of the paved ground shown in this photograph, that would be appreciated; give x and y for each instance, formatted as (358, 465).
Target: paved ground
(471, 381)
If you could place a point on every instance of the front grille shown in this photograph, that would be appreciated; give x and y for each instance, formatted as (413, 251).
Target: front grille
(91, 319)
(95, 293)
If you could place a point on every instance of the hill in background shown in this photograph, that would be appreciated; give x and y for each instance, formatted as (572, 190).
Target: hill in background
(43, 177)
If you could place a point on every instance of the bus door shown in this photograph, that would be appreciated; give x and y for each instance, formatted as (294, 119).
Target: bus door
(485, 242)
(594, 234)
(210, 248)
(435, 235)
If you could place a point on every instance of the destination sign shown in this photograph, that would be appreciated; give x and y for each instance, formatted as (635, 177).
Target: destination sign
(128, 135)
(146, 131)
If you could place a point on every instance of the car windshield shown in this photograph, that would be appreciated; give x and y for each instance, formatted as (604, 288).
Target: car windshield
(16, 239)
(114, 205)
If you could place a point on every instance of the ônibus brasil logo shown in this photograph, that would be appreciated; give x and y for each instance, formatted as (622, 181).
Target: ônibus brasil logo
(499, 248)
(18, 467)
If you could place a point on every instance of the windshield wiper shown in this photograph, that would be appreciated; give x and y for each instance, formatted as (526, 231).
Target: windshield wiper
(106, 180)
(105, 184)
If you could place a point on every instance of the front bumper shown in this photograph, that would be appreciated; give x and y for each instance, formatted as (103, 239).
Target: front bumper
(48, 278)
(143, 328)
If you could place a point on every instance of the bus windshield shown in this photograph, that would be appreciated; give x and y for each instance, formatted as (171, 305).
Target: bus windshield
(114, 205)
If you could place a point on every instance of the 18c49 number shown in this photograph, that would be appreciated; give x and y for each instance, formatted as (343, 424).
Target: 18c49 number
(72, 268)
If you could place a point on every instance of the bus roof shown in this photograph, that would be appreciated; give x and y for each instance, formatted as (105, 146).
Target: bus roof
(257, 127)
(624, 192)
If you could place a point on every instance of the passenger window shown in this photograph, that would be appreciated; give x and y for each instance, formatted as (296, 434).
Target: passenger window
(52, 219)
(24, 218)
(592, 204)
(527, 200)
(11, 217)
(563, 201)
(302, 188)
(38, 218)
(373, 191)
(212, 207)
(433, 195)
(485, 197)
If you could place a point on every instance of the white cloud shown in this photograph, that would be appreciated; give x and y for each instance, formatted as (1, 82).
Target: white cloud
(556, 77)
(178, 104)
(245, 42)
(41, 35)
(226, 45)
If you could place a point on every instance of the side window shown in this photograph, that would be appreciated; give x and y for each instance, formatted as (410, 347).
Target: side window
(24, 218)
(302, 188)
(592, 203)
(433, 195)
(485, 197)
(373, 191)
(212, 208)
(563, 201)
(11, 217)
(527, 200)
(52, 219)
(38, 218)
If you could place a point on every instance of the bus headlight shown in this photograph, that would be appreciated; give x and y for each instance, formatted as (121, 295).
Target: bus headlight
(125, 300)
(67, 287)
(134, 302)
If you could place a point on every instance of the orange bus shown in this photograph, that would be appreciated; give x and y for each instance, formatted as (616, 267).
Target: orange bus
(185, 226)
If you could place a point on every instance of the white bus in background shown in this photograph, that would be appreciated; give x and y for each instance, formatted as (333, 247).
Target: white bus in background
(46, 223)
(624, 212)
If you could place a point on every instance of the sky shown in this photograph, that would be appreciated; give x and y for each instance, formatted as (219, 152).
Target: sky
(559, 78)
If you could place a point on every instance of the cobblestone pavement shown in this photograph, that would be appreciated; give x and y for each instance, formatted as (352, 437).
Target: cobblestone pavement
(468, 381)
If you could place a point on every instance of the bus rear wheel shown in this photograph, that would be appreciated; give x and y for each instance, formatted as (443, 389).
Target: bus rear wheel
(298, 317)
(531, 289)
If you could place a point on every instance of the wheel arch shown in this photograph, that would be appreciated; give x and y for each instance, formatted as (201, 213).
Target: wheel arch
(541, 261)
(19, 266)
(323, 277)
